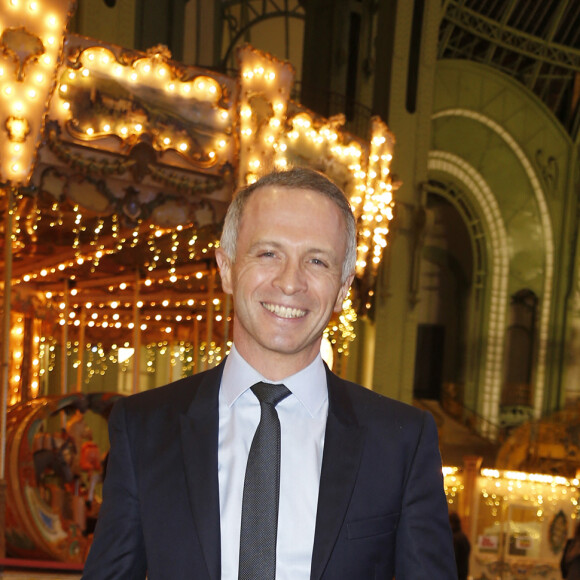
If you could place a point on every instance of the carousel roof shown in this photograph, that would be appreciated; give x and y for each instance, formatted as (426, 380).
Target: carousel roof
(137, 162)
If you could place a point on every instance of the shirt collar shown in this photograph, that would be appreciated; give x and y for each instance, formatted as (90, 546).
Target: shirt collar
(307, 385)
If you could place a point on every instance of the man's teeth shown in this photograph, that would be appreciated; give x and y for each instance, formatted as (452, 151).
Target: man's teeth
(284, 311)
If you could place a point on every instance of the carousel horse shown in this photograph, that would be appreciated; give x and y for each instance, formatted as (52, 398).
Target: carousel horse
(57, 460)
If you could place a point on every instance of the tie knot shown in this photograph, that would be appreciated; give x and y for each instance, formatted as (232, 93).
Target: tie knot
(268, 393)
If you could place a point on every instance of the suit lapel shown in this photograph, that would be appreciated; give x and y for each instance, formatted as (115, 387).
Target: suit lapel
(199, 437)
(343, 445)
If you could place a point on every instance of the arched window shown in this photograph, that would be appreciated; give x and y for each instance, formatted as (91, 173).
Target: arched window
(517, 390)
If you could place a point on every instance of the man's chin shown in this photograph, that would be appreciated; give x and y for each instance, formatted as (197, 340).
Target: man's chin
(291, 349)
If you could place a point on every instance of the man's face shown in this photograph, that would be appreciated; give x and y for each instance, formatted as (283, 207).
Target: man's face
(286, 277)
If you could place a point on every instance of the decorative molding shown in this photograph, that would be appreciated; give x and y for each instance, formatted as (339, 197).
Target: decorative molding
(549, 171)
(546, 224)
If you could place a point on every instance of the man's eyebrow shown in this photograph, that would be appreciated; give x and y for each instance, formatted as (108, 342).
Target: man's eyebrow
(328, 253)
(264, 243)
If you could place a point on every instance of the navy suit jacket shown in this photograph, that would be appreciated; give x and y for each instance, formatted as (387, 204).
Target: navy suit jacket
(382, 511)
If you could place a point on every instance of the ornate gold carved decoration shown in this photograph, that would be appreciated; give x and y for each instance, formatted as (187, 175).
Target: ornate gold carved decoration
(18, 129)
(22, 47)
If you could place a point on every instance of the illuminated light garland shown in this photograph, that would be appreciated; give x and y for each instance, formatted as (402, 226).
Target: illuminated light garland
(340, 333)
(108, 244)
(180, 353)
(453, 484)
(377, 201)
(532, 477)
(265, 89)
(32, 41)
(15, 361)
(156, 72)
(497, 487)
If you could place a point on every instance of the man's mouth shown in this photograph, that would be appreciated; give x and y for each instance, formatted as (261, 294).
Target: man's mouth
(284, 311)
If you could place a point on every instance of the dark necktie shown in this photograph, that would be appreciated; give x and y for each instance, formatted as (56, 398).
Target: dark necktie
(262, 490)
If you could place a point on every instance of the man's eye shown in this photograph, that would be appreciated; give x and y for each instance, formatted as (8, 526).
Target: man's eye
(267, 254)
(318, 262)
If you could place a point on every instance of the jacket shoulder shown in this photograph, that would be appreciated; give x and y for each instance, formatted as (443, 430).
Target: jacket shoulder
(177, 394)
(367, 405)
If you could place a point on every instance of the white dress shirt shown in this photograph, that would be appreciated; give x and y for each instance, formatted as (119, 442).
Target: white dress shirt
(302, 425)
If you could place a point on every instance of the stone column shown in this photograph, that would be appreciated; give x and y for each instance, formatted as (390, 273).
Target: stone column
(406, 54)
(471, 467)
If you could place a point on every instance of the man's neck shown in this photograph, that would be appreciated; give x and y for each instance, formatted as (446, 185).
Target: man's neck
(275, 366)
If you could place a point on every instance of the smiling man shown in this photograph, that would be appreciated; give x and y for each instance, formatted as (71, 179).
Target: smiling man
(286, 274)
(270, 466)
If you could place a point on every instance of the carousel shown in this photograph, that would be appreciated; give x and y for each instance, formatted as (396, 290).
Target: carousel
(117, 168)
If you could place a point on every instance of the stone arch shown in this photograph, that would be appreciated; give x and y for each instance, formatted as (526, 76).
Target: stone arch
(547, 237)
(478, 194)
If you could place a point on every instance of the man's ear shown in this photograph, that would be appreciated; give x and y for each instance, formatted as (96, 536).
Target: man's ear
(343, 293)
(225, 268)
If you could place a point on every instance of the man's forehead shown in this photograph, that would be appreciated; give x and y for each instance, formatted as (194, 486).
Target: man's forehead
(279, 189)
(275, 192)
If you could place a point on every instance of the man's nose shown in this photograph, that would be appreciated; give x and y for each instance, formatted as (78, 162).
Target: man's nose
(291, 277)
